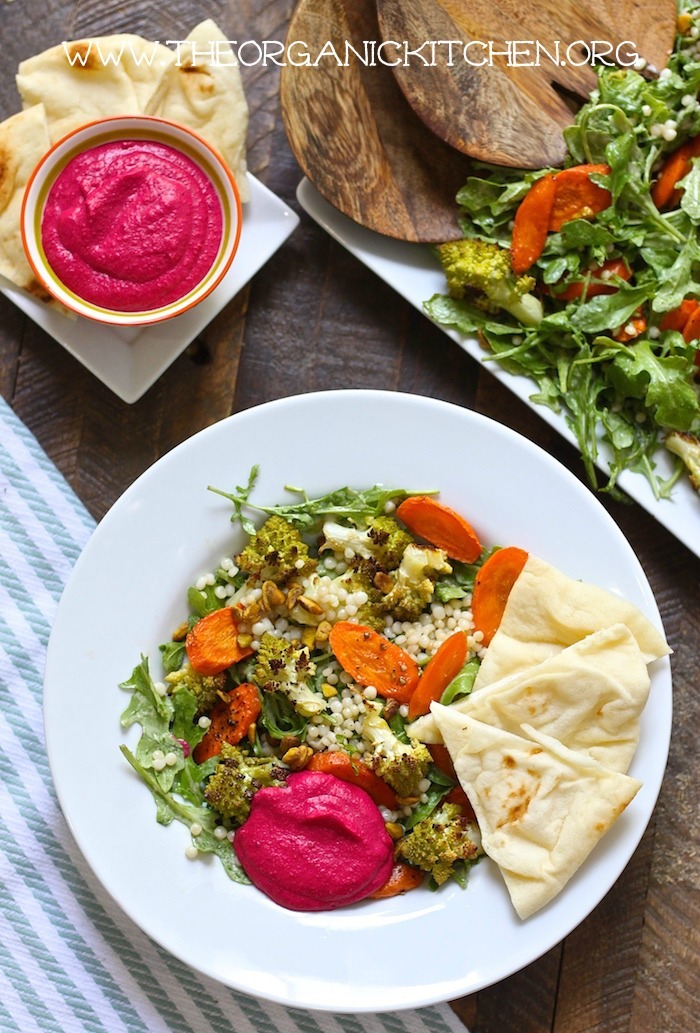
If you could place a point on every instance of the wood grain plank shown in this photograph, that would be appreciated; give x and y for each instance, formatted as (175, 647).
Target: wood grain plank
(666, 988)
(523, 1003)
(11, 326)
(600, 957)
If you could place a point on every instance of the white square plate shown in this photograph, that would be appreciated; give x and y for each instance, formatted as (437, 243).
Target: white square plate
(130, 360)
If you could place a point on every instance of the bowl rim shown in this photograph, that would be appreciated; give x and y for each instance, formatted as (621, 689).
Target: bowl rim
(112, 125)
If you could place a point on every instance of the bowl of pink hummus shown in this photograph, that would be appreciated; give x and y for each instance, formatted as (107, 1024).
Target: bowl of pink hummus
(131, 220)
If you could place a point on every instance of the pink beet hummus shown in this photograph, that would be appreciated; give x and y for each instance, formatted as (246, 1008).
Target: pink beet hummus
(315, 844)
(132, 225)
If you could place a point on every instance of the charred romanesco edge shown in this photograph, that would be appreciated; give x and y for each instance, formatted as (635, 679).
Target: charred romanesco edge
(276, 552)
(402, 765)
(380, 540)
(441, 842)
(237, 778)
(281, 665)
(414, 581)
(205, 688)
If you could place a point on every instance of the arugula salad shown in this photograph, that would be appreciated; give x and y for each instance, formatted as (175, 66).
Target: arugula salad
(586, 279)
(309, 649)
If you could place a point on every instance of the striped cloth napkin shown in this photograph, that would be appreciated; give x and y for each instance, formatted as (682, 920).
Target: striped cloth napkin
(70, 960)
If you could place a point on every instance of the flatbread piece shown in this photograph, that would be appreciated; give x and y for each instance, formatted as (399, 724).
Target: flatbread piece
(547, 611)
(203, 89)
(23, 141)
(590, 696)
(541, 807)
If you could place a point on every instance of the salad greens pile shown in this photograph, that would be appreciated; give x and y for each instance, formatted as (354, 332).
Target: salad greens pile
(625, 391)
(168, 729)
(223, 722)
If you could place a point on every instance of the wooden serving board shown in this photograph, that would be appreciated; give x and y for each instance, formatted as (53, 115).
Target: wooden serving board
(506, 111)
(356, 137)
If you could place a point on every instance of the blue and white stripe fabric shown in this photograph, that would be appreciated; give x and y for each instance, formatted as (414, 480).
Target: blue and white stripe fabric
(70, 960)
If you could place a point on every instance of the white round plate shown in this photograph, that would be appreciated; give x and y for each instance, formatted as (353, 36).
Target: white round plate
(127, 593)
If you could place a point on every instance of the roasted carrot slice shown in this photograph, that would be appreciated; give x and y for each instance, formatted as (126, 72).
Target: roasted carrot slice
(577, 196)
(634, 326)
(443, 666)
(231, 719)
(458, 796)
(677, 319)
(492, 587)
(349, 769)
(531, 224)
(212, 643)
(441, 526)
(404, 877)
(664, 193)
(371, 659)
(596, 285)
(691, 329)
(442, 759)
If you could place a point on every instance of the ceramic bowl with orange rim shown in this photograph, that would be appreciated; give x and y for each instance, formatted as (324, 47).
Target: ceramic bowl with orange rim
(131, 220)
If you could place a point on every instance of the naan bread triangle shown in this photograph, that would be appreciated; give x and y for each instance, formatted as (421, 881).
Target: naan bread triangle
(590, 697)
(203, 90)
(547, 611)
(23, 141)
(92, 79)
(541, 807)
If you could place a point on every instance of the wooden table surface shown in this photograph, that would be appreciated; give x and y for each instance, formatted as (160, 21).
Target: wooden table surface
(312, 319)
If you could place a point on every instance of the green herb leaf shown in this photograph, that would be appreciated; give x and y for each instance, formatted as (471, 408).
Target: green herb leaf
(661, 380)
(463, 683)
(309, 514)
(170, 808)
(690, 201)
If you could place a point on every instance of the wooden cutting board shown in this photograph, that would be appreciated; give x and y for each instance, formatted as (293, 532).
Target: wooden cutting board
(506, 110)
(356, 137)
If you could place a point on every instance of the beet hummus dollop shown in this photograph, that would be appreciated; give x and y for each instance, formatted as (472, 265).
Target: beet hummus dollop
(315, 844)
(132, 225)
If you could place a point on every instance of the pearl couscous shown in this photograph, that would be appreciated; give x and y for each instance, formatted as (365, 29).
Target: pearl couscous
(261, 680)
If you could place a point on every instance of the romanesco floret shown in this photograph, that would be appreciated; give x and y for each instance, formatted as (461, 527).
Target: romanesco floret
(276, 552)
(358, 584)
(402, 765)
(414, 581)
(440, 842)
(204, 687)
(390, 540)
(687, 446)
(237, 778)
(482, 271)
(382, 540)
(287, 666)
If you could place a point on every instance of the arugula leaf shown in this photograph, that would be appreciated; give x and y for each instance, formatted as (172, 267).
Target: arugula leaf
(662, 381)
(608, 311)
(460, 582)
(690, 201)
(172, 656)
(309, 514)
(176, 788)
(463, 683)
(170, 808)
(435, 795)
(147, 706)
(280, 717)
